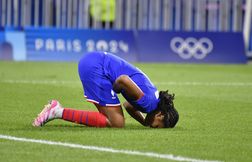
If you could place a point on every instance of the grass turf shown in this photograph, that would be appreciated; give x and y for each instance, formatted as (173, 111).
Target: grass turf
(214, 102)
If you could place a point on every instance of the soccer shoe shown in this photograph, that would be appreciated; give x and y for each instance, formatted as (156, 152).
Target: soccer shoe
(52, 110)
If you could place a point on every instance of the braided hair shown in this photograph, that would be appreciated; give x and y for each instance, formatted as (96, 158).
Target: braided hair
(166, 107)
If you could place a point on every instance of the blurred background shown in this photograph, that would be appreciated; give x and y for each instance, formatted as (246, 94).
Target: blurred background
(179, 30)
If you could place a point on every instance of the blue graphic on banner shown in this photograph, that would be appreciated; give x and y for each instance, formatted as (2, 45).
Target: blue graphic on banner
(201, 47)
(5, 48)
(71, 44)
(16, 44)
(2, 36)
(250, 44)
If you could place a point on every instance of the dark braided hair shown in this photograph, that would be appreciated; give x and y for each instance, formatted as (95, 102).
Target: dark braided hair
(167, 108)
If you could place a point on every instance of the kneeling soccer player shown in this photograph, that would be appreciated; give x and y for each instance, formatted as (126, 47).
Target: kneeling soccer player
(102, 76)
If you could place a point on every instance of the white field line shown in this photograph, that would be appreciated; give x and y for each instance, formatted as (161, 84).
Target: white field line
(175, 83)
(105, 149)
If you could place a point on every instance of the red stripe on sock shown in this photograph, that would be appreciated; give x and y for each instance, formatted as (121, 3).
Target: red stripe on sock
(89, 118)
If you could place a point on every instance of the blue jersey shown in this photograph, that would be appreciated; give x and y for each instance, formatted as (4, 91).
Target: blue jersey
(98, 72)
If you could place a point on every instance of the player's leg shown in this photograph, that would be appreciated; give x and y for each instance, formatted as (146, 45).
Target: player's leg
(106, 117)
(54, 110)
(114, 115)
(85, 117)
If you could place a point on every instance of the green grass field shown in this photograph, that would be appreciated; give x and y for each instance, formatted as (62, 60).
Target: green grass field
(214, 102)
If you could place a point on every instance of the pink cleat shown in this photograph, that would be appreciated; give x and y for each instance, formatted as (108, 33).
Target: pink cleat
(52, 110)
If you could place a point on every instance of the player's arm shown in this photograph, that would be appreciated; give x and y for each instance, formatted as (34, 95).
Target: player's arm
(137, 115)
(128, 86)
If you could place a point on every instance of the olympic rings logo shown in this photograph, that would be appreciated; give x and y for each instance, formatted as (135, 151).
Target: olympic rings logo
(191, 47)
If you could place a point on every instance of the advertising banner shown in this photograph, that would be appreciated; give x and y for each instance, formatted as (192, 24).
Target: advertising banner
(50, 44)
(192, 47)
(71, 44)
